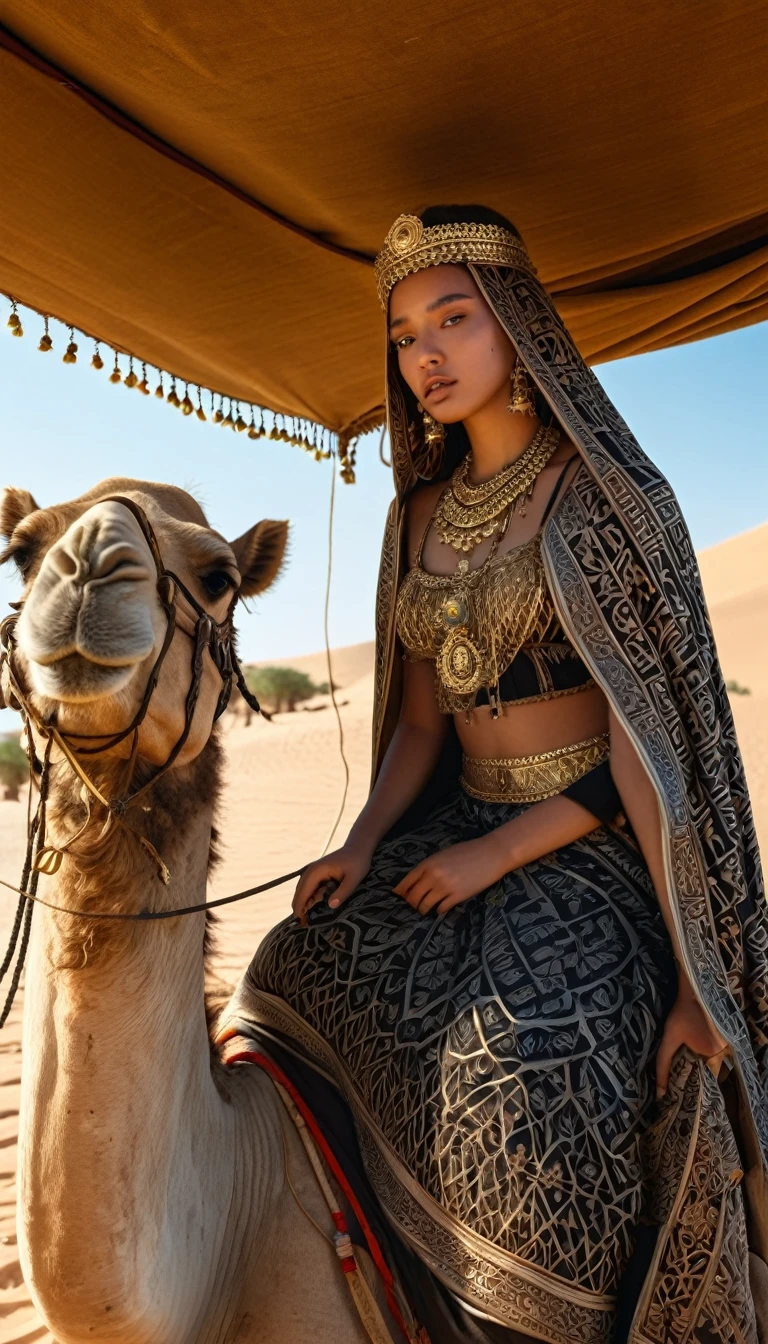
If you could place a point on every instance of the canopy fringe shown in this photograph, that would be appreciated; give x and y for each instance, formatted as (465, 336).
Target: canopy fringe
(242, 417)
(349, 435)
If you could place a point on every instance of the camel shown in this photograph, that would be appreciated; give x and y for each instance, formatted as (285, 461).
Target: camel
(164, 1199)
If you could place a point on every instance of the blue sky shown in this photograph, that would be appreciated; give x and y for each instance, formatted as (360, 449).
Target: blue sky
(697, 410)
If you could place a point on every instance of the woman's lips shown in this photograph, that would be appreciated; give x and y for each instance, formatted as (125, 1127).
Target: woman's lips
(437, 393)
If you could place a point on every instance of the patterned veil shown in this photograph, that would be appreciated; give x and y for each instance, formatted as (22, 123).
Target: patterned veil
(625, 581)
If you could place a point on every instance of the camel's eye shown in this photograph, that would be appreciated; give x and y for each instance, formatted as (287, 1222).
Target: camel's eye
(217, 582)
(22, 557)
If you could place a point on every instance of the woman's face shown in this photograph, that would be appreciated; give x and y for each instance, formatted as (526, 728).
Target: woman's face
(452, 351)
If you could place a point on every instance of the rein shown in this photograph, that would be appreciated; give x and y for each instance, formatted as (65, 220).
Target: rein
(143, 916)
(216, 637)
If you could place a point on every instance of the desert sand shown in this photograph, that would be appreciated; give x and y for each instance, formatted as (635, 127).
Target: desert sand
(284, 781)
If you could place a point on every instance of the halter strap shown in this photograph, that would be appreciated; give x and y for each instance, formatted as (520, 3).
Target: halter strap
(425, 533)
(216, 636)
(556, 490)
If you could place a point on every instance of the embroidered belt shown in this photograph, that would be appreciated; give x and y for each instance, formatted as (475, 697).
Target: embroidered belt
(531, 779)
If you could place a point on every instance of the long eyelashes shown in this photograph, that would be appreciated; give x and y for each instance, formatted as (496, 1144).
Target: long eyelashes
(21, 556)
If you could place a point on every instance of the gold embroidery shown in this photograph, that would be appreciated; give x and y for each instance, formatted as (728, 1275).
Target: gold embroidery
(513, 1290)
(531, 779)
(386, 686)
(551, 695)
(474, 622)
(700, 1284)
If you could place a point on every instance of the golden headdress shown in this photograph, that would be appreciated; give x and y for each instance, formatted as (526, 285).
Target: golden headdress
(412, 246)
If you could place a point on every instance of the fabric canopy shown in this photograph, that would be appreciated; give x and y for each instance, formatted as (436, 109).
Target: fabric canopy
(205, 186)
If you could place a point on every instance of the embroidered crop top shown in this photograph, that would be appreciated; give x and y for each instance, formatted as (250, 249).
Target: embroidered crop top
(492, 631)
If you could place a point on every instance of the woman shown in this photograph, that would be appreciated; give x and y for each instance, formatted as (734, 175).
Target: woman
(505, 972)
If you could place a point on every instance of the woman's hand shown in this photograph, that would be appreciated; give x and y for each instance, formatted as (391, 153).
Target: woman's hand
(453, 875)
(687, 1024)
(344, 870)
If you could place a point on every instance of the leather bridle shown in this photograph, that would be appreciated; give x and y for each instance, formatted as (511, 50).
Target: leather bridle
(217, 637)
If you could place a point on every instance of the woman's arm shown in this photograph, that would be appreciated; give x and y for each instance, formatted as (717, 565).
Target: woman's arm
(408, 764)
(455, 874)
(410, 760)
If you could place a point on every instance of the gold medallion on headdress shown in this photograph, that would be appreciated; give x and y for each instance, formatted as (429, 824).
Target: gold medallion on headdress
(405, 234)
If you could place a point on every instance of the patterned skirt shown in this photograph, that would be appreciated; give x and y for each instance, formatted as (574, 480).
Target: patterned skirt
(499, 1062)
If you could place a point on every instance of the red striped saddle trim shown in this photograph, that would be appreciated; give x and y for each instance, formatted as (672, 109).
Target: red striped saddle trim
(255, 1057)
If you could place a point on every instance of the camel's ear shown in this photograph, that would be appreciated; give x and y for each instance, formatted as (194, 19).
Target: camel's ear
(259, 554)
(16, 504)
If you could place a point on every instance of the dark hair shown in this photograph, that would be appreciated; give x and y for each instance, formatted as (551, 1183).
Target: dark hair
(464, 214)
(456, 438)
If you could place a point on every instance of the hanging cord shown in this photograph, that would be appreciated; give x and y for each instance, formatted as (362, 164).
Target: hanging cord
(32, 825)
(387, 461)
(332, 689)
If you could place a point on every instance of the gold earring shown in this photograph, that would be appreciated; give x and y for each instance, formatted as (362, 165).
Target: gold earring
(522, 394)
(426, 463)
(434, 432)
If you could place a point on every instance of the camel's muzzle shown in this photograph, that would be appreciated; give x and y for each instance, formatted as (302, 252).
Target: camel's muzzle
(92, 615)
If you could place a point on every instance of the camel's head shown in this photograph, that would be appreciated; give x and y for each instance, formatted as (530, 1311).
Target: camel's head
(92, 623)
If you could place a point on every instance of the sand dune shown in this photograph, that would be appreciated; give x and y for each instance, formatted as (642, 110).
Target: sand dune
(735, 577)
(348, 664)
(282, 790)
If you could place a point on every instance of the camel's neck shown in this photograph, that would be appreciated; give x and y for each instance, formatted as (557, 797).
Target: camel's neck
(126, 1147)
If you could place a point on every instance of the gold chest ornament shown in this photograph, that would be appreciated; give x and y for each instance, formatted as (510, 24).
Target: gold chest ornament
(463, 666)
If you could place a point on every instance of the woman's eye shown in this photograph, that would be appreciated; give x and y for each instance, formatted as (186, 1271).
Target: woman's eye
(216, 582)
(451, 321)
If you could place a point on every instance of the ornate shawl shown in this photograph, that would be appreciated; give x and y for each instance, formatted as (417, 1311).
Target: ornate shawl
(624, 578)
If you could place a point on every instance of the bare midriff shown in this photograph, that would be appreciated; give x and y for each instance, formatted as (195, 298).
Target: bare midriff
(527, 730)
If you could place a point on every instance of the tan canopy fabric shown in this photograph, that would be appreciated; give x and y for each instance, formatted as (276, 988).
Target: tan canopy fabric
(627, 142)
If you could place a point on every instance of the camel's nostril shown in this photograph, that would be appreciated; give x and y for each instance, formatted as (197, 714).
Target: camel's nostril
(64, 562)
(121, 560)
(95, 563)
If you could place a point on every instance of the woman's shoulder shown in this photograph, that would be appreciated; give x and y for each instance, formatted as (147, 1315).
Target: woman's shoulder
(419, 507)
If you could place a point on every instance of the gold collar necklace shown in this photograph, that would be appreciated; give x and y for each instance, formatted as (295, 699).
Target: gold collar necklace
(467, 514)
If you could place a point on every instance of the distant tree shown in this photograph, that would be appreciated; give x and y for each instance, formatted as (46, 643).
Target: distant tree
(281, 689)
(13, 768)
